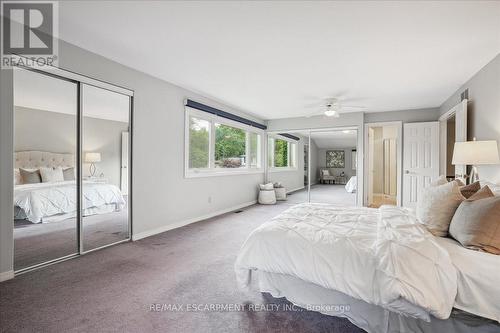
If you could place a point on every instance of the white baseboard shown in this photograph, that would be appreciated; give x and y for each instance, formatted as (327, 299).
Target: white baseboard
(179, 224)
(295, 189)
(4, 276)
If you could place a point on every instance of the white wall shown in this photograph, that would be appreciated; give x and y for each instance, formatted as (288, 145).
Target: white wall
(483, 110)
(162, 197)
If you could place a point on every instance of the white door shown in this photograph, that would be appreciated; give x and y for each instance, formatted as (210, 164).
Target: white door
(124, 163)
(420, 159)
(461, 134)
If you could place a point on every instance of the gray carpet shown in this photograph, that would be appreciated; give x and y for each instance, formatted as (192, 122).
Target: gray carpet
(41, 242)
(113, 289)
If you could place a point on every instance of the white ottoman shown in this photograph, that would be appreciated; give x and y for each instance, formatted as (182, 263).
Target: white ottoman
(267, 196)
(280, 193)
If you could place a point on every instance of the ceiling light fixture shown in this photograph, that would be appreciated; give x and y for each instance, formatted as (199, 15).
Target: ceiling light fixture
(332, 113)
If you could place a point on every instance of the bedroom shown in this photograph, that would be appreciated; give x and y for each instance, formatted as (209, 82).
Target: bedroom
(303, 65)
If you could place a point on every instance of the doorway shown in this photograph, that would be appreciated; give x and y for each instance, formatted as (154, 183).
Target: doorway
(383, 163)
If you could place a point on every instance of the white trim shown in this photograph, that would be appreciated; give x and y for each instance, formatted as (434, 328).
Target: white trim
(197, 173)
(282, 169)
(182, 223)
(399, 158)
(4, 276)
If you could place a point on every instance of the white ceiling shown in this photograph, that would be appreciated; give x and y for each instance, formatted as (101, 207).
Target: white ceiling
(272, 59)
(42, 92)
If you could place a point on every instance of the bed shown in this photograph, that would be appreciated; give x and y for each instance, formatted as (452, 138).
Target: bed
(411, 272)
(56, 201)
(352, 185)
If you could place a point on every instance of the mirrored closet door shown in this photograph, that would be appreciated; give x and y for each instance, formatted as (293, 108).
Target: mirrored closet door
(316, 166)
(334, 159)
(72, 166)
(105, 152)
(45, 168)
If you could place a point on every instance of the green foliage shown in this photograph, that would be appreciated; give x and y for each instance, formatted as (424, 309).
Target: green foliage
(229, 145)
(280, 153)
(198, 143)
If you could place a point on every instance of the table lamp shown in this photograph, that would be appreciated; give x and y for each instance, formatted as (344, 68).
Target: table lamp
(475, 153)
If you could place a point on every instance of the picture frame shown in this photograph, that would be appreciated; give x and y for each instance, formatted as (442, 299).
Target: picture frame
(335, 159)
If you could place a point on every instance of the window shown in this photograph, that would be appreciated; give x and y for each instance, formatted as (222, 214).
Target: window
(216, 145)
(199, 143)
(282, 153)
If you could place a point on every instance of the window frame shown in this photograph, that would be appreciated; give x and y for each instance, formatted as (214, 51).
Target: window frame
(270, 156)
(212, 170)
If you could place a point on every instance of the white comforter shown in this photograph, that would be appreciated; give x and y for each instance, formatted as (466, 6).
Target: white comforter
(40, 202)
(381, 256)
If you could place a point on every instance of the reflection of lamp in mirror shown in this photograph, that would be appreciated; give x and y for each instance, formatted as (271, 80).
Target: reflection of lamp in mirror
(92, 158)
(475, 153)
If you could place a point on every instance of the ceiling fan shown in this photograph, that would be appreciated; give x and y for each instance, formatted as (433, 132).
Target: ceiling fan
(332, 107)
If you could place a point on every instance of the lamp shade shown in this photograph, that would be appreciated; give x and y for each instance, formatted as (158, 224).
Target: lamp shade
(475, 153)
(92, 157)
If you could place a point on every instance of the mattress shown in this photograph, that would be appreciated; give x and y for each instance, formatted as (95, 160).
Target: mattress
(478, 279)
(372, 318)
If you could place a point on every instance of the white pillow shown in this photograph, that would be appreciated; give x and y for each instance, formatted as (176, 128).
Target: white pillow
(51, 175)
(326, 172)
(437, 206)
(17, 177)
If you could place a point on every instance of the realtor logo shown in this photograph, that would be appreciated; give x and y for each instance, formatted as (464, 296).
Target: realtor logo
(29, 31)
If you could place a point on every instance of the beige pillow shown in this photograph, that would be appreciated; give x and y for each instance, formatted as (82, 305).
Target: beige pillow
(30, 176)
(476, 224)
(469, 190)
(483, 193)
(437, 205)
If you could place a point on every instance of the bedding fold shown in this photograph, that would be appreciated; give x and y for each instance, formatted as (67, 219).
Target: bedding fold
(381, 256)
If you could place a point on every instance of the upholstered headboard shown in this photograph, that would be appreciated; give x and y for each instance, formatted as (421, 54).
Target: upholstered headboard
(38, 159)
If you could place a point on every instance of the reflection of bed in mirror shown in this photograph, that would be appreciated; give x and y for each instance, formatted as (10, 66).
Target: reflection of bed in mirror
(352, 185)
(56, 201)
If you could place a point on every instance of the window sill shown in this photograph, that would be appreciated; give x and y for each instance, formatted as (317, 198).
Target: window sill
(272, 170)
(213, 173)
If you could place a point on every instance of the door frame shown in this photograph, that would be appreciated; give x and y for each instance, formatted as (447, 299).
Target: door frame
(81, 80)
(399, 158)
